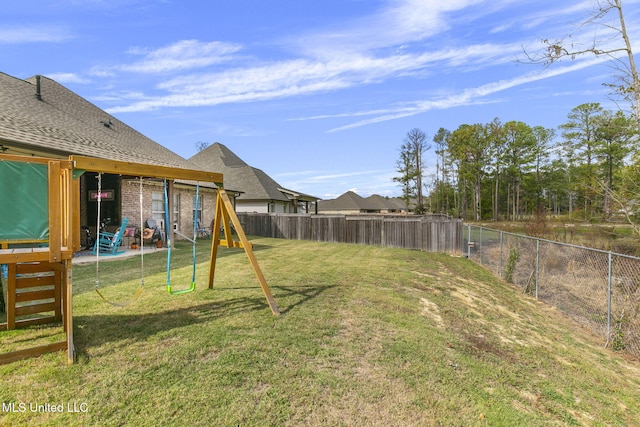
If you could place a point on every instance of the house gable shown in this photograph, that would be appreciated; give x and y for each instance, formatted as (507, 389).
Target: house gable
(258, 188)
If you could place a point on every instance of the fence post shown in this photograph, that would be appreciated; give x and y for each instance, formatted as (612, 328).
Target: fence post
(468, 241)
(500, 264)
(609, 297)
(537, 264)
(479, 246)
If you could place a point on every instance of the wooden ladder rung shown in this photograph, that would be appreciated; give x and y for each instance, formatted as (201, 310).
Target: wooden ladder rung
(38, 295)
(31, 352)
(44, 320)
(35, 309)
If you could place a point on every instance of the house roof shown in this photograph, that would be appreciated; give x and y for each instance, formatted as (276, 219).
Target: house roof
(298, 195)
(62, 123)
(347, 201)
(376, 202)
(351, 201)
(397, 204)
(255, 184)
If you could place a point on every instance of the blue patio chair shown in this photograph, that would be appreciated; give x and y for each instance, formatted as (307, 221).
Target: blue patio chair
(109, 243)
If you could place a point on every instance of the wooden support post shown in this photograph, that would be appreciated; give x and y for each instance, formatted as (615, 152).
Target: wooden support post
(215, 239)
(11, 296)
(68, 310)
(224, 214)
(75, 211)
(55, 212)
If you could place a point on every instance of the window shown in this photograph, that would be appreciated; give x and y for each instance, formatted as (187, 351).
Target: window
(157, 207)
(176, 211)
(197, 215)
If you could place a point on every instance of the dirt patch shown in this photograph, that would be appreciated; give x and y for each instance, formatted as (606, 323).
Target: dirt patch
(480, 344)
(471, 301)
(431, 310)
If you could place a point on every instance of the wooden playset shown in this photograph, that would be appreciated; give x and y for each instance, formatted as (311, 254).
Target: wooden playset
(40, 232)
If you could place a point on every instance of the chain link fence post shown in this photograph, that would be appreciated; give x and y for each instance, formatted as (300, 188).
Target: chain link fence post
(598, 289)
(500, 263)
(479, 246)
(609, 280)
(537, 265)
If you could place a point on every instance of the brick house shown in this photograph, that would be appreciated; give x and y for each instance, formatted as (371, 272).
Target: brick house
(260, 193)
(351, 203)
(40, 117)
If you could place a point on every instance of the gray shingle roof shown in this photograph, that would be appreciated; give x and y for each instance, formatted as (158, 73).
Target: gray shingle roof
(64, 123)
(351, 201)
(376, 202)
(347, 201)
(238, 175)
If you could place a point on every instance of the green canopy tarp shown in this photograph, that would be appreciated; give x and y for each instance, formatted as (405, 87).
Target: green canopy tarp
(23, 201)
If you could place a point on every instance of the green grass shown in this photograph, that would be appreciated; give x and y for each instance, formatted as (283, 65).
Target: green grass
(368, 336)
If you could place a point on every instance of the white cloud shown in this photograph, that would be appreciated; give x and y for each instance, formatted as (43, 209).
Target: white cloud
(398, 23)
(334, 60)
(296, 77)
(329, 60)
(471, 95)
(332, 184)
(33, 34)
(182, 55)
(68, 78)
(344, 175)
(119, 96)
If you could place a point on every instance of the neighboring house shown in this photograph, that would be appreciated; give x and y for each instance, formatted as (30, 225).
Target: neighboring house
(386, 205)
(351, 203)
(39, 117)
(260, 193)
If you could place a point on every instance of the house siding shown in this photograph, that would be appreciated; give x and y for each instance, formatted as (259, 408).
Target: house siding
(263, 206)
(130, 207)
(259, 206)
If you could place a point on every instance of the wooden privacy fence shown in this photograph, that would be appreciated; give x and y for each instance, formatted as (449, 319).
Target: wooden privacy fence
(428, 233)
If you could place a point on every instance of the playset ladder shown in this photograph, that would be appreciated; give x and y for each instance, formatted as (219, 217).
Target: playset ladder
(34, 296)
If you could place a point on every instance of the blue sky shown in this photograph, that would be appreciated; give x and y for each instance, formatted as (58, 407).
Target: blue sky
(318, 94)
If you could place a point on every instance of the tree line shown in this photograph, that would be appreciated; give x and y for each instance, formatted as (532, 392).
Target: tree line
(511, 170)
(588, 168)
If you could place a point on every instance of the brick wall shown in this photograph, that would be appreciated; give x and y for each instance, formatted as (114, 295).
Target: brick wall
(130, 198)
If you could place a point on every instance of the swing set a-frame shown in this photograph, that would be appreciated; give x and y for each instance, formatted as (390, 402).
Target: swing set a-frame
(40, 232)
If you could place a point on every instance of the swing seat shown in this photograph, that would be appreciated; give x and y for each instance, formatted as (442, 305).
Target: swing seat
(109, 243)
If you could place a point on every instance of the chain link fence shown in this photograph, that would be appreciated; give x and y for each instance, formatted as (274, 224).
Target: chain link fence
(596, 288)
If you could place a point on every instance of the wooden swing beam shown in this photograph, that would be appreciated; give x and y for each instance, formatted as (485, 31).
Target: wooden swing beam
(64, 232)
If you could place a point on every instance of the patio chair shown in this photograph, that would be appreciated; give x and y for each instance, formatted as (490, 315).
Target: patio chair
(152, 232)
(109, 243)
(202, 231)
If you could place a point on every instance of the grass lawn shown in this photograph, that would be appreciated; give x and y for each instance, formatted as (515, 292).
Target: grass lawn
(368, 336)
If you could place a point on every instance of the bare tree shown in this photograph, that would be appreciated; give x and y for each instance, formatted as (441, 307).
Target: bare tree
(628, 83)
(202, 145)
(411, 166)
(417, 142)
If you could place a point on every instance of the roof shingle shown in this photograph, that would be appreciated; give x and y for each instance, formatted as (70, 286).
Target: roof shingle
(63, 123)
(255, 184)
